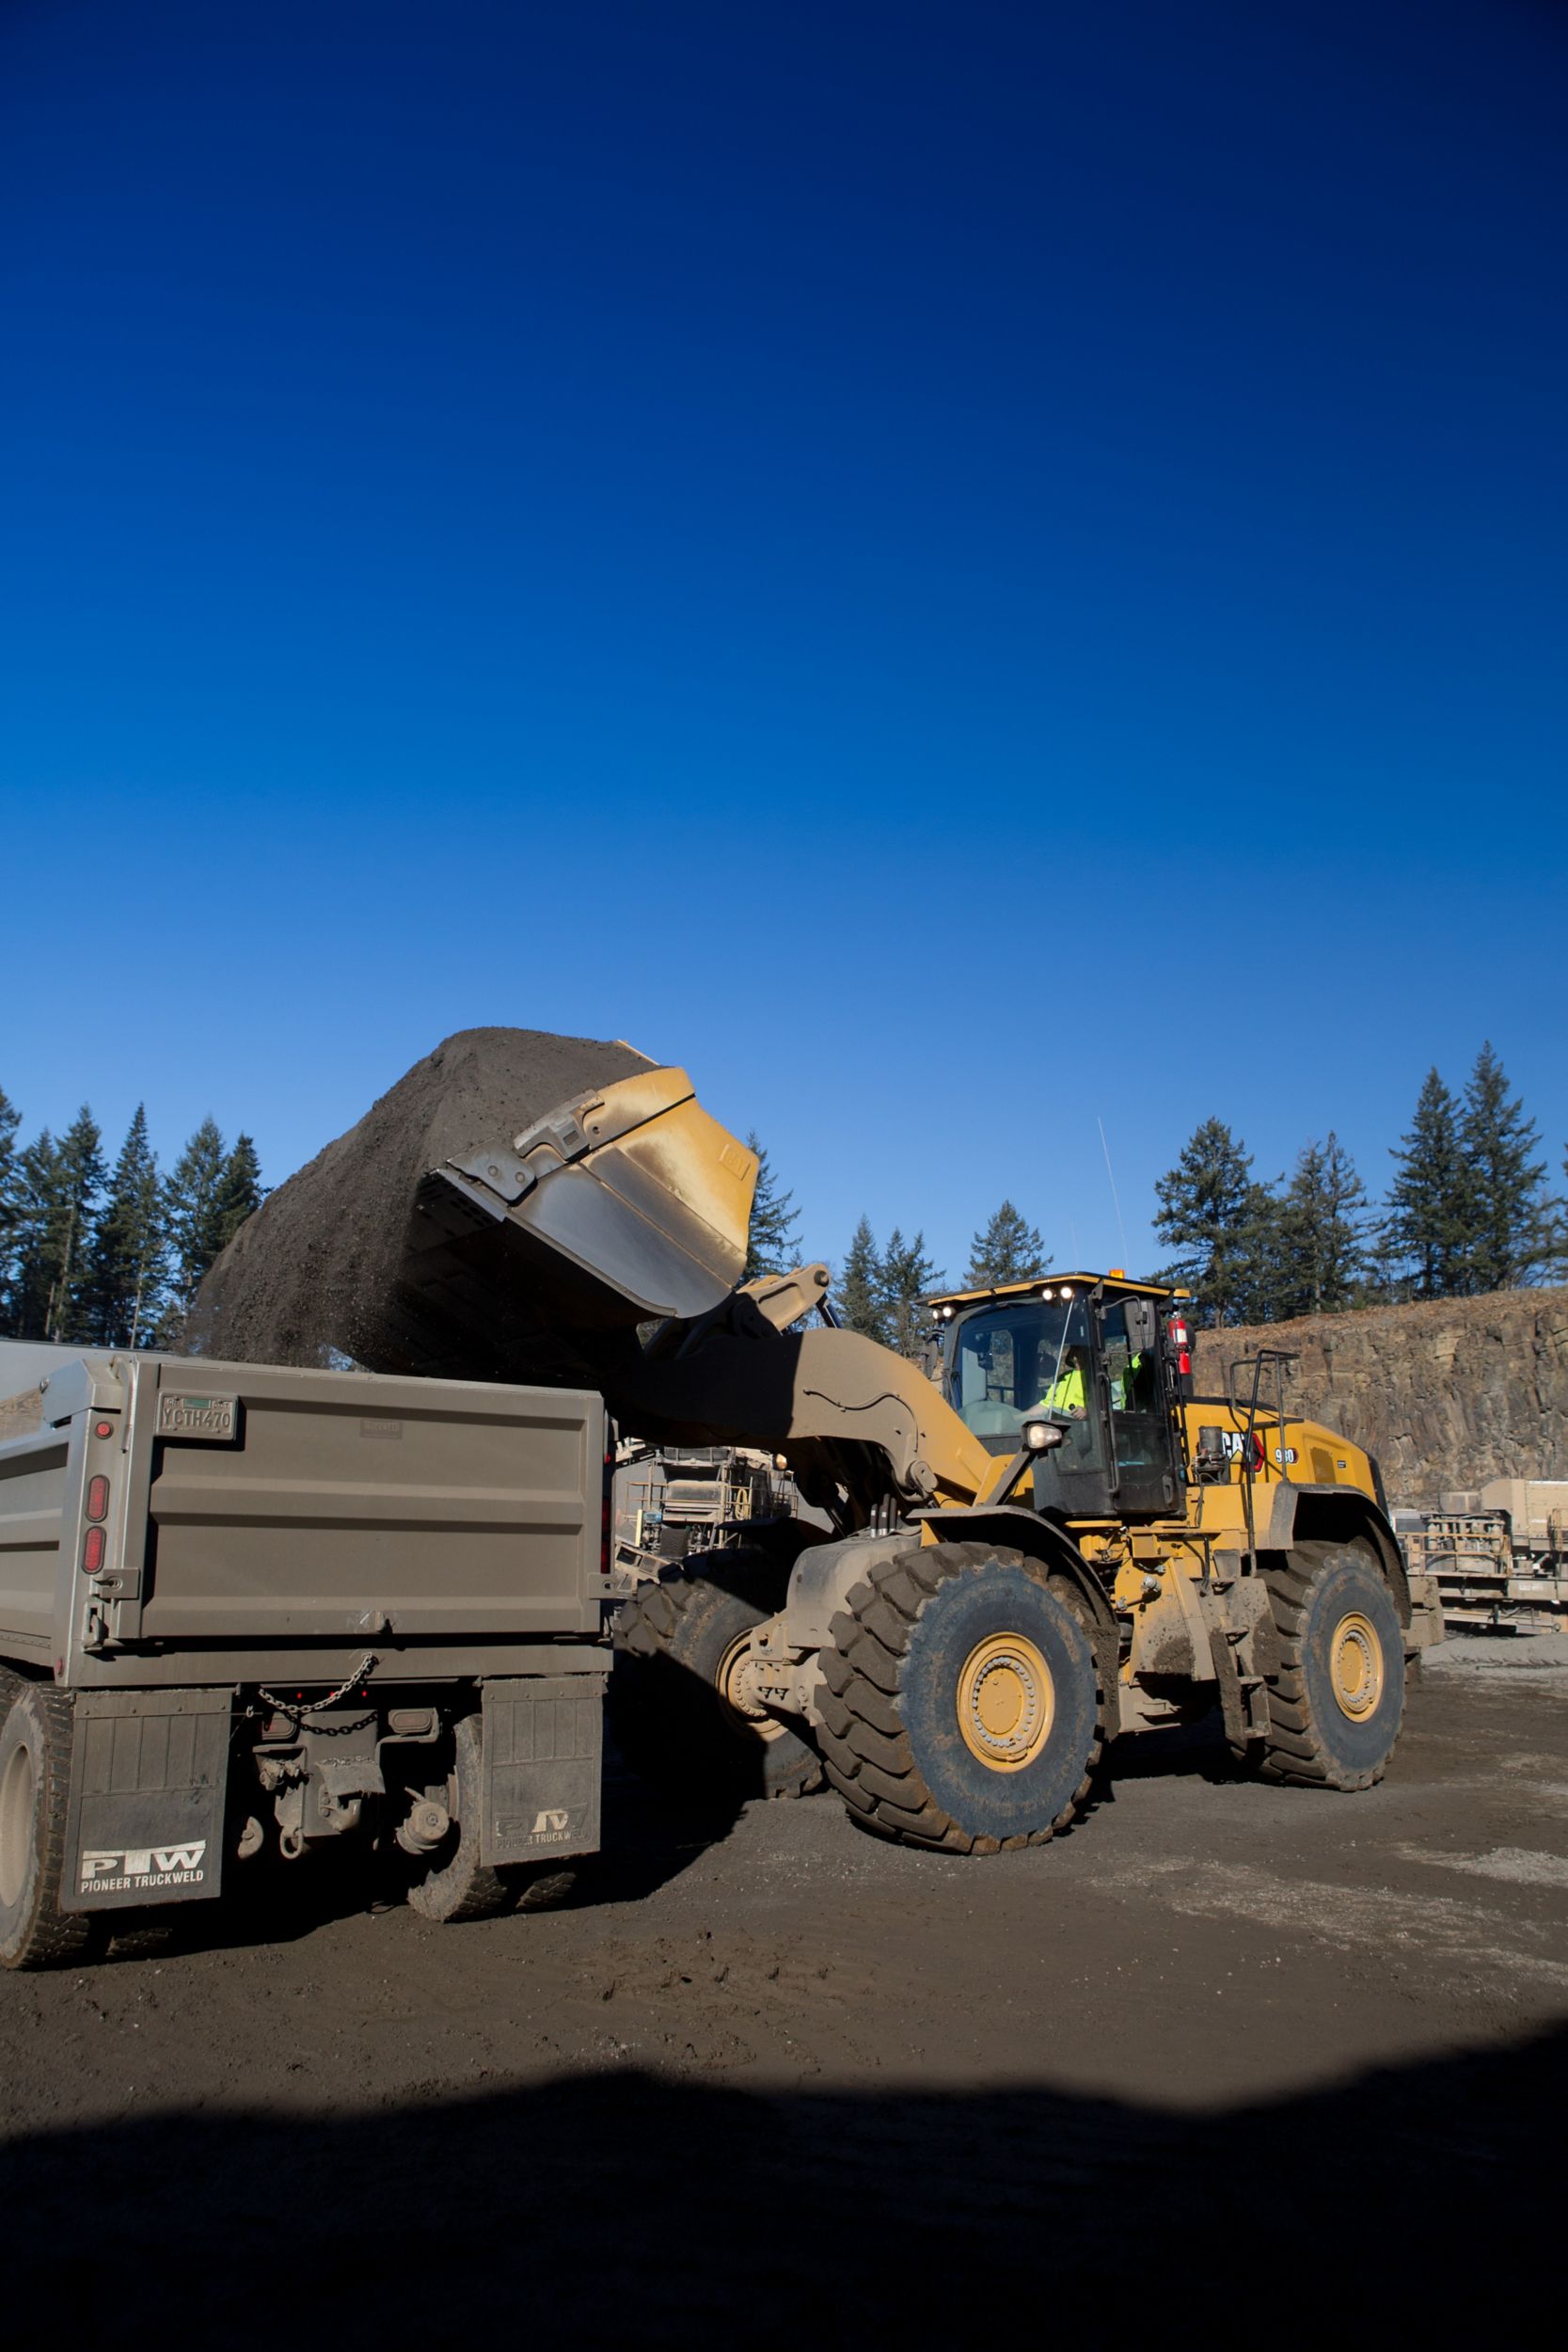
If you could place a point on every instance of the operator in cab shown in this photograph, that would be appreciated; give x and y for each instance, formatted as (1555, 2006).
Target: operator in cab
(1066, 1393)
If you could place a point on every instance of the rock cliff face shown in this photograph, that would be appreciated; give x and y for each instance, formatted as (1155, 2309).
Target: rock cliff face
(1445, 1395)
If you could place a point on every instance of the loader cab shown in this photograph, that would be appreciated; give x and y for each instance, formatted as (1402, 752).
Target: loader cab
(1088, 1353)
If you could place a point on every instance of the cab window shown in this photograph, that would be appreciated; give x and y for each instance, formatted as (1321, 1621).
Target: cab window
(1010, 1361)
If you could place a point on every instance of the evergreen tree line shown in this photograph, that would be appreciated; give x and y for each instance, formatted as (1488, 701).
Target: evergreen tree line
(881, 1285)
(880, 1288)
(111, 1257)
(1467, 1211)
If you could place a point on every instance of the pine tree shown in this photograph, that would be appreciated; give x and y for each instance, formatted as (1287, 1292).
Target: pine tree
(907, 1275)
(125, 1261)
(191, 1218)
(1006, 1251)
(238, 1193)
(83, 1175)
(1214, 1211)
(1429, 1229)
(33, 1264)
(771, 1247)
(1319, 1250)
(10, 1208)
(1508, 1217)
(858, 1293)
(58, 1187)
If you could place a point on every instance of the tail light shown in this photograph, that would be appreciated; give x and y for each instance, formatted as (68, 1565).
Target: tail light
(93, 1549)
(98, 1498)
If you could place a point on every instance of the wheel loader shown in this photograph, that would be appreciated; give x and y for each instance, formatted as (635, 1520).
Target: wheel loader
(1040, 1540)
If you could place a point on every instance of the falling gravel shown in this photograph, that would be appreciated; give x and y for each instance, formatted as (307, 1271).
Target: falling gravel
(319, 1272)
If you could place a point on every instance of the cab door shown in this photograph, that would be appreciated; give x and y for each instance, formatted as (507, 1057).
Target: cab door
(1142, 1452)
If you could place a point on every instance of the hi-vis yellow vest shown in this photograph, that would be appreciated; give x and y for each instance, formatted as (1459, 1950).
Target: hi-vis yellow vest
(1066, 1393)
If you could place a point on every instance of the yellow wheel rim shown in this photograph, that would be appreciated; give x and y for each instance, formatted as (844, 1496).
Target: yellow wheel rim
(743, 1710)
(1355, 1665)
(1006, 1702)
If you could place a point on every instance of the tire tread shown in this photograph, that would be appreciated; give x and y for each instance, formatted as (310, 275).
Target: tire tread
(861, 1734)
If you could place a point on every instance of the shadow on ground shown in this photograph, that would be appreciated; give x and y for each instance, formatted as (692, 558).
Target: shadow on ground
(629, 2208)
(648, 1840)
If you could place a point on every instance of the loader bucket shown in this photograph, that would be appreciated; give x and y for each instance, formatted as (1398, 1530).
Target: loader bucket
(620, 1207)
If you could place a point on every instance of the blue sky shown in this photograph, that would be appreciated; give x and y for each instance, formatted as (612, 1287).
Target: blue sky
(962, 572)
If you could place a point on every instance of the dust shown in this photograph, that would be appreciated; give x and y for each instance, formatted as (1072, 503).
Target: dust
(319, 1270)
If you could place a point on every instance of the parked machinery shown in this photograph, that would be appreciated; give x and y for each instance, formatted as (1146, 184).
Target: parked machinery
(1497, 1555)
(674, 1501)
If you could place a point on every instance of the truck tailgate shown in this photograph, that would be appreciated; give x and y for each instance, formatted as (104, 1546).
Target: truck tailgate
(287, 1503)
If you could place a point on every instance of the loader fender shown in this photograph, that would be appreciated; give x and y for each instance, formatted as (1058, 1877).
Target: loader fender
(1016, 1530)
(822, 1576)
(1338, 1515)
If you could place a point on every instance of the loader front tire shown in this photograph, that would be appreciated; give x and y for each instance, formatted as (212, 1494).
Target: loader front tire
(35, 1781)
(677, 1703)
(1336, 1704)
(963, 1708)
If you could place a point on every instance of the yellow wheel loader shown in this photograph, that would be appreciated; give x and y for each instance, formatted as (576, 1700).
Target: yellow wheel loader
(1039, 1542)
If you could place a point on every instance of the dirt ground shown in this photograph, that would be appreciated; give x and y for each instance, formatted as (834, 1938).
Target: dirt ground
(1225, 2057)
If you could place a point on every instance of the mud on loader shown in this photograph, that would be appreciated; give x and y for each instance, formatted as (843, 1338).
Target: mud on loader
(1050, 1542)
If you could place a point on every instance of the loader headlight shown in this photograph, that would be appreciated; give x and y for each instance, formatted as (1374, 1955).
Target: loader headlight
(1040, 1436)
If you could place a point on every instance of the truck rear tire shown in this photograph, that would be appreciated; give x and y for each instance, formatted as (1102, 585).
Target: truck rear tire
(457, 1885)
(34, 1784)
(1336, 1704)
(963, 1708)
(672, 1696)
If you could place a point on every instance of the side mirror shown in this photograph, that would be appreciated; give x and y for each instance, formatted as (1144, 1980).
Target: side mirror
(1142, 1324)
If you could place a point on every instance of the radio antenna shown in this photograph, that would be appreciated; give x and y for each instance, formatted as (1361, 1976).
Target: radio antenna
(1111, 1179)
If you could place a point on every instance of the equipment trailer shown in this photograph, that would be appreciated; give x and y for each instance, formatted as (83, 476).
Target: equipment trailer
(247, 1613)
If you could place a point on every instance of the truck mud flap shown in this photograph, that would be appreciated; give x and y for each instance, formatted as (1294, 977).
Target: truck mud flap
(542, 1752)
(148, 1771)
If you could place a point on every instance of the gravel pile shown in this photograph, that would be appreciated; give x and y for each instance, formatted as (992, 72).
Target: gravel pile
(20, 1415)
(319, 1270)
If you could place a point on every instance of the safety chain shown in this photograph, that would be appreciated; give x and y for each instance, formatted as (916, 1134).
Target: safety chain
(296, 1707)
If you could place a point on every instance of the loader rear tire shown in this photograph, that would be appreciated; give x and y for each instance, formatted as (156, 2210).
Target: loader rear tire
(1336, 1704)
(671, 1695)
(35, 1782)
(963, 1708)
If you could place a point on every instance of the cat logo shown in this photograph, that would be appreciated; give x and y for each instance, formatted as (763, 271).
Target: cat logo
(130, 1870)
(549, 1828)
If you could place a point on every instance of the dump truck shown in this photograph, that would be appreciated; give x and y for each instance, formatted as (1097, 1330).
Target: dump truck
(1052, 1542)
(250, 1614)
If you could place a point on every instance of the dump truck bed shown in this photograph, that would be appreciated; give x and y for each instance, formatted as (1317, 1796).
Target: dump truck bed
(176, 1521)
